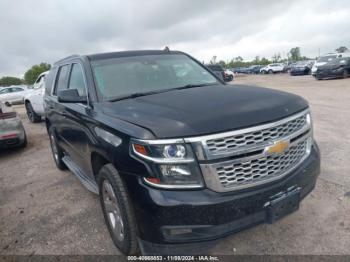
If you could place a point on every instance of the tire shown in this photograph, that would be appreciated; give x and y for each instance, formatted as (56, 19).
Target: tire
(57, 152)
(263, 72)
(32, 116)
(25, 142)
(270, 72)
(345, 74)
(119, 209)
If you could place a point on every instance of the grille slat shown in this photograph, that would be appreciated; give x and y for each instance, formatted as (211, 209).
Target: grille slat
(264, 168)
(256, 138)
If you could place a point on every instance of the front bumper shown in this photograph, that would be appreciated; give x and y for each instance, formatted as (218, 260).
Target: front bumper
(166, 217)
(329, 74)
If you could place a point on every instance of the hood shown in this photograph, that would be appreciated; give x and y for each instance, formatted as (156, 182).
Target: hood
(205, 110)
(331, 66)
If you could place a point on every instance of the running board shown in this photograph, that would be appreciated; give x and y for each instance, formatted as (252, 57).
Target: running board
(84, 179)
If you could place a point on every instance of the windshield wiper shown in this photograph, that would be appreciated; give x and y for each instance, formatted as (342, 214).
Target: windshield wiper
(194, 85)
(138, 94)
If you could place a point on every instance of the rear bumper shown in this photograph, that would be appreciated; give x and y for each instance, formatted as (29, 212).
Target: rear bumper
(166, 217)
(12, 133)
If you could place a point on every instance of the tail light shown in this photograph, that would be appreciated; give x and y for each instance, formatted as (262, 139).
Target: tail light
(7, 115)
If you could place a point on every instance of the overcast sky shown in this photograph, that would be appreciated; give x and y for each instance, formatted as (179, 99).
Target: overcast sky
(45, 31)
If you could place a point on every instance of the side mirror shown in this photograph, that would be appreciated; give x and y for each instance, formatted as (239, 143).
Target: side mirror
(70, 96)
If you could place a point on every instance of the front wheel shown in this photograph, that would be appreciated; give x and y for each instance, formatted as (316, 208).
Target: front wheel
(117, 210)
(345, 73)
(270, 72)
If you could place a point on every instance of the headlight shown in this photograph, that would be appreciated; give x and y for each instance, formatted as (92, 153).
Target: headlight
(171, 162)
(309, 121)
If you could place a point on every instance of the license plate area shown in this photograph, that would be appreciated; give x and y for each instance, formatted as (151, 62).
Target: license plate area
(283, 205)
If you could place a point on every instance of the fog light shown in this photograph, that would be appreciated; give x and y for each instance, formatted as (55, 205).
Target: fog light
(180, 231)
(175, 170)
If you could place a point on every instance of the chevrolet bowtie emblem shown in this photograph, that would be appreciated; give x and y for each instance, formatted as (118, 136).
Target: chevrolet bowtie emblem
(277, 148)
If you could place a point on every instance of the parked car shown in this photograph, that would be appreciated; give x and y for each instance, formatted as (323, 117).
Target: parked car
(12, 133)
(229, 73)
(12, 94)
(322, 60)
(219, 71)
(337, 68)
(177, 157)
(301, 68)
(273, 68)
(244, 70)
(238, 70)
(34, 99)
(254, 69)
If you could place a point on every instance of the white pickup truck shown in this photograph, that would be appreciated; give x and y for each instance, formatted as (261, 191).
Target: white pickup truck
(33, 100)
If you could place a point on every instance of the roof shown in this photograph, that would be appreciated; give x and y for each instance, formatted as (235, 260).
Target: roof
(130, 53)
(99, 56)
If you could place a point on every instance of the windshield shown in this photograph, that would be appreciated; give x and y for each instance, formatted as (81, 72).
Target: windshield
(120, 77)
(326, 58)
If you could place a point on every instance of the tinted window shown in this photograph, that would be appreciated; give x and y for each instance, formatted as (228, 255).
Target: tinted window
(62, 77)
(326, 58)
(17, 89)
(77, 80)
(39, 79)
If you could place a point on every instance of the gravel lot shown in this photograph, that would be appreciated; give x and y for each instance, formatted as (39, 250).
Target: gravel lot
(47, 211)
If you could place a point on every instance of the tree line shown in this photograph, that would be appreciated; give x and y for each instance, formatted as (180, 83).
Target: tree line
(293, 55)
(29, 77)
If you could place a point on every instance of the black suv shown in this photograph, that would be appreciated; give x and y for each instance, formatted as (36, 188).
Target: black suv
(176, 155)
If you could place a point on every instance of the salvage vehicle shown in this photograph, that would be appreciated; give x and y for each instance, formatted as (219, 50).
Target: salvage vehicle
(220, 72)
(177, 156)
(322, 60)
(301, 68)
(273, 68)
(34, 99)
(12, 133)
(12, 94)
(337, 68)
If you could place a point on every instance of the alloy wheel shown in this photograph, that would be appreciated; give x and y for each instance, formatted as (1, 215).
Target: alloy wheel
(112, 210)
(54, 147)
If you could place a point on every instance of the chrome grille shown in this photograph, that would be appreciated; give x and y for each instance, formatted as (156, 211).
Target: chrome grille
(255, 138)
(246, 158)
(261, 169)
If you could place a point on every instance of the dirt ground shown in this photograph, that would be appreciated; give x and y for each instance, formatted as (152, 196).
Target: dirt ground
(47, 211)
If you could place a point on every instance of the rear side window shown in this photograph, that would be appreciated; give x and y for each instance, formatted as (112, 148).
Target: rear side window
(62, 78)
(76, 80)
